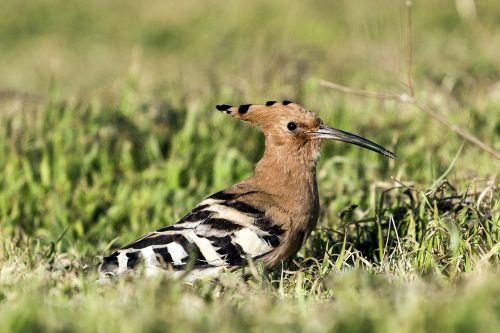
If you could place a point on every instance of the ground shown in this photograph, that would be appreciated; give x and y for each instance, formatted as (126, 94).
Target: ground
(109, 130)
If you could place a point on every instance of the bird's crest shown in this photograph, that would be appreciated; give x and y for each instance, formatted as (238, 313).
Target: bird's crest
(243, 108)
(276, 118)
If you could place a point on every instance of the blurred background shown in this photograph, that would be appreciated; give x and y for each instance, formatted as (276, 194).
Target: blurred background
(247, 46)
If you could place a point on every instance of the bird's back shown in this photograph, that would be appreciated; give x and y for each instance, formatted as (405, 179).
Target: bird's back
(221, 232)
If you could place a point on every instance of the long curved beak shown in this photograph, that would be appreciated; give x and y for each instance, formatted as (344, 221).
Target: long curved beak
(325, 132)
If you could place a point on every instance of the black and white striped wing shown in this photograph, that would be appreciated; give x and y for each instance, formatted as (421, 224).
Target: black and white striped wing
(222, 231)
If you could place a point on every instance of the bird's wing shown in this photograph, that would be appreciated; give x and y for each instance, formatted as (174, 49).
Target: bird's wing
(222, 231)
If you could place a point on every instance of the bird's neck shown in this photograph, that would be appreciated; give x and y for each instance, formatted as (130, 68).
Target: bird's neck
(288, 175)
(288, 172)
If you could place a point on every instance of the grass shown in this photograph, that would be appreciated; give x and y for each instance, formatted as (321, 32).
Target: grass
(108, 130)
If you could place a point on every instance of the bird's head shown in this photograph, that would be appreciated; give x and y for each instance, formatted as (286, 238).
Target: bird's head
(290, 124)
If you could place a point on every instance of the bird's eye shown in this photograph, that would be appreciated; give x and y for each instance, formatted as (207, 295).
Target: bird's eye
(291, 126)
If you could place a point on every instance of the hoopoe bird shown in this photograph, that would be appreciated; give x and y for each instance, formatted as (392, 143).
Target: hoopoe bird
(266, 217)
